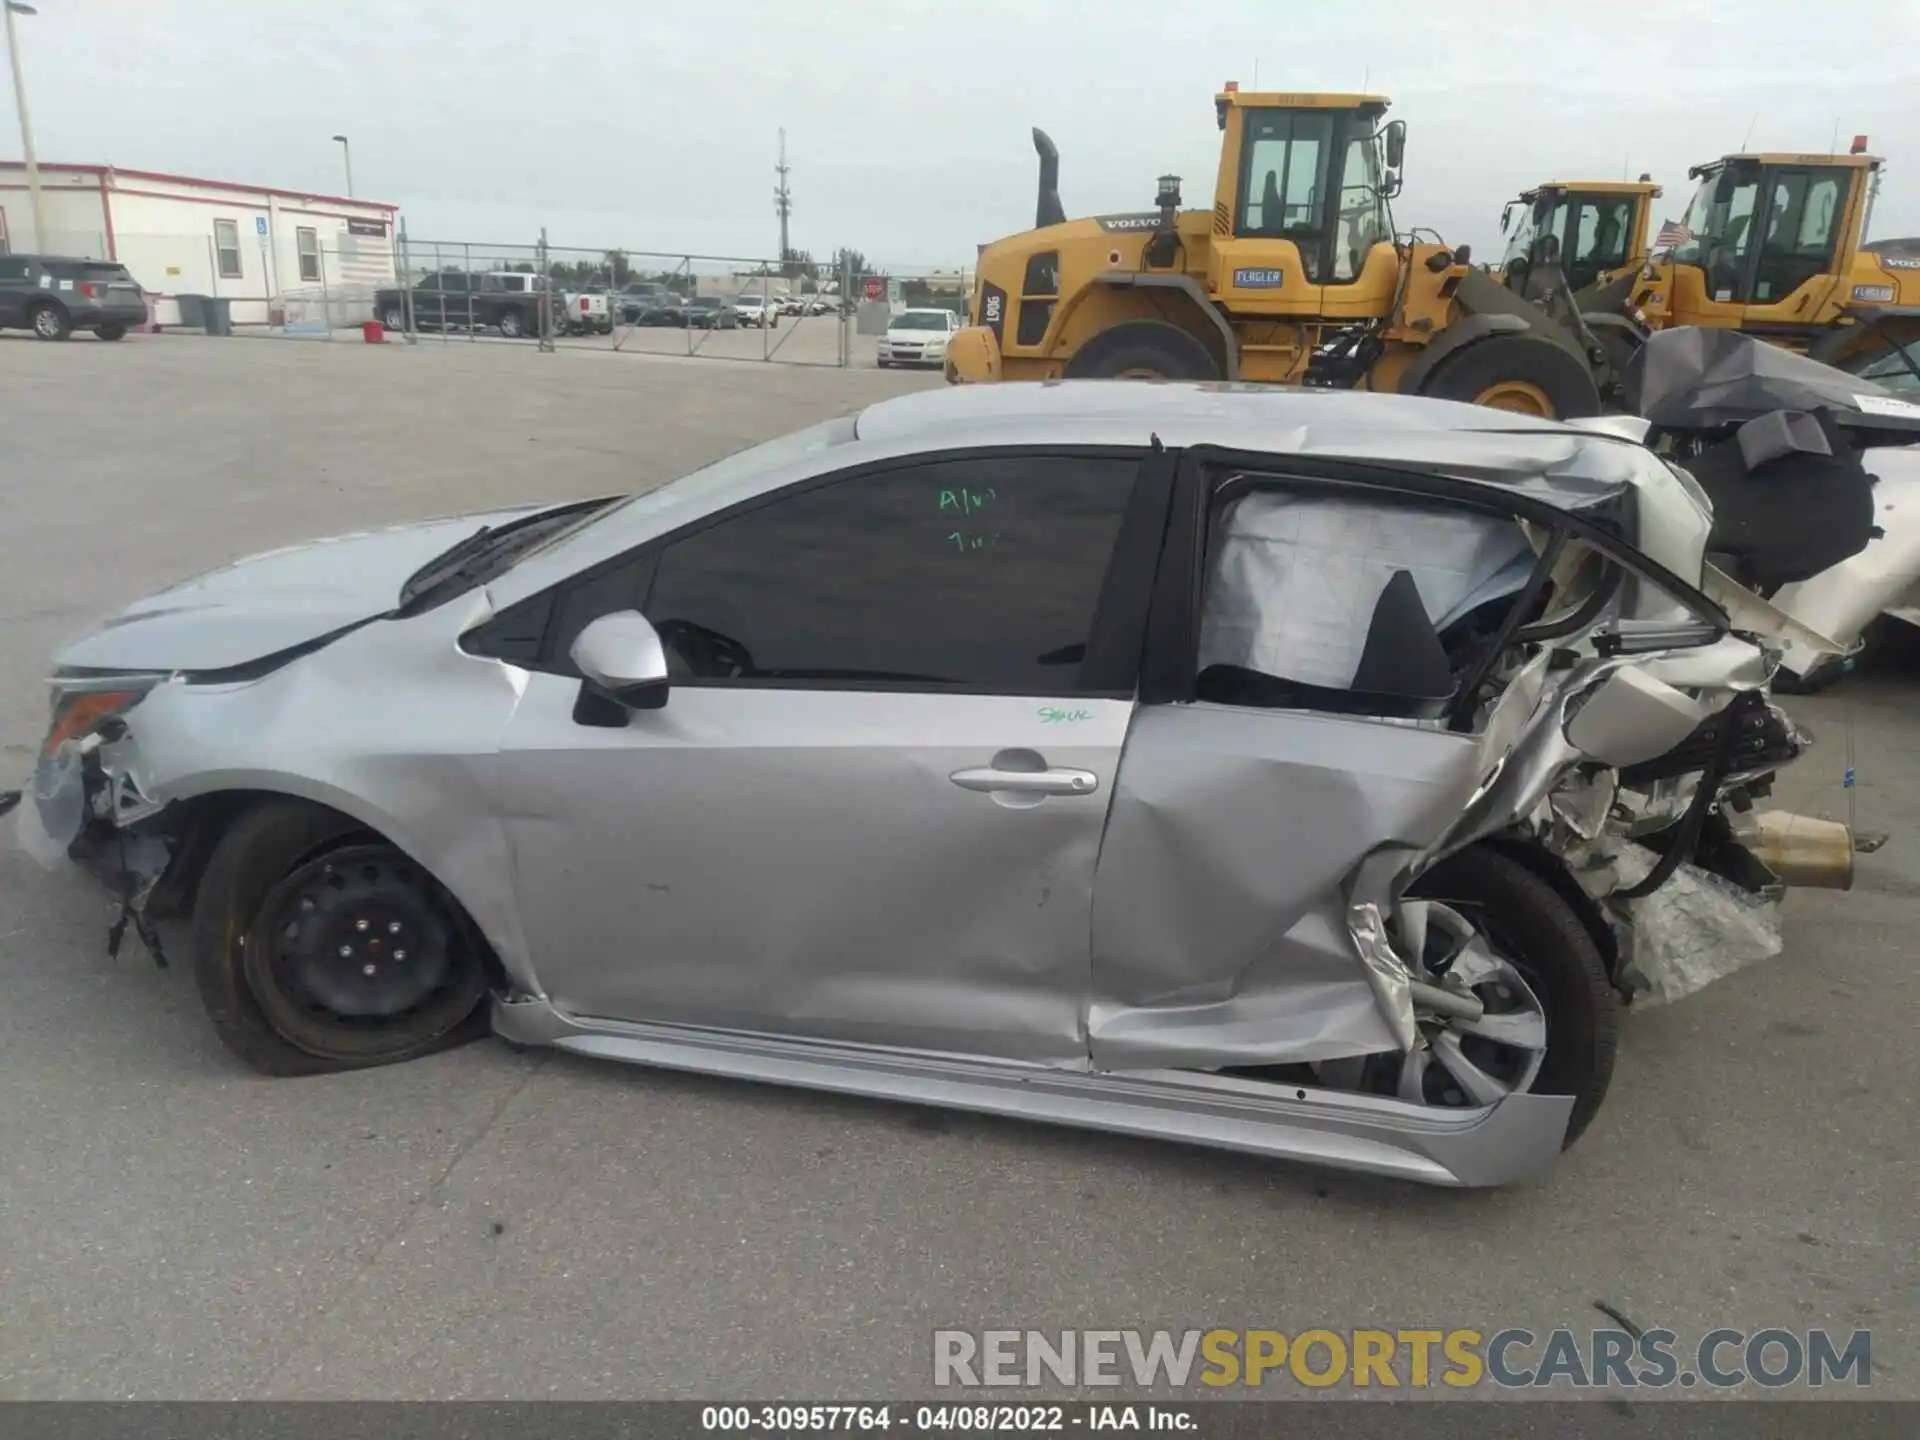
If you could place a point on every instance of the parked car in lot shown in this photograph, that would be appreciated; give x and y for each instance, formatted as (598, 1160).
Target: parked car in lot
(641, 300)
(917, 337)
(1201, 762)
(757, 311)
(511, 302)
(712, 312)
(664, 309)
(53, 296)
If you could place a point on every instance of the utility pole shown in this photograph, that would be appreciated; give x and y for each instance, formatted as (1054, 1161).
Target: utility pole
(782, 197)
(11, 8)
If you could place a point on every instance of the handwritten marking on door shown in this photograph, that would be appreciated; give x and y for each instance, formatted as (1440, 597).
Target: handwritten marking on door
(1054, 715)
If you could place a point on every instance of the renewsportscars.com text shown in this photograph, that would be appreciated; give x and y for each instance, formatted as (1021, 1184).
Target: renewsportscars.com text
(1414, 1359)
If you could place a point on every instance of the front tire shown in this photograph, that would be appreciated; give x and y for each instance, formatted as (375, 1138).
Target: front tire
(395, 319)
(318, 947)
(1143, 350)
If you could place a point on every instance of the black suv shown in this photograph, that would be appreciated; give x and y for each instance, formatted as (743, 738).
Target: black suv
(53, 296)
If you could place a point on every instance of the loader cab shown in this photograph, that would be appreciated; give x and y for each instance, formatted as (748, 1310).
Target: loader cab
(1300, 217)
(1768, 239)
(1591, 231)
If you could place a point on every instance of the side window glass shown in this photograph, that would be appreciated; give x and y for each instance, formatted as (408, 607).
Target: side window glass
(1799, 233)
(981, 574)
(12, 269)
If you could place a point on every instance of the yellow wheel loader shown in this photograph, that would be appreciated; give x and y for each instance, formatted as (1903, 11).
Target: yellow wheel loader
(1772, 245)
(1294, 276)
(1775, 245)
(1591, 231)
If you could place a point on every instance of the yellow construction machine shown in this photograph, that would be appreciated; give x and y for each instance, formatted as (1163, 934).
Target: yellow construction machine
(1775, 245)
(1772, 245)
(1294, 276)
(1592, 231)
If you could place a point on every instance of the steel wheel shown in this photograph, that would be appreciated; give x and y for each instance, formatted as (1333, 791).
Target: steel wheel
(358, 954)
(1458, 1063)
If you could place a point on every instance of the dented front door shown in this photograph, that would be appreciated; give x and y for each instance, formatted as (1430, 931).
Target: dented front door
(871, 806)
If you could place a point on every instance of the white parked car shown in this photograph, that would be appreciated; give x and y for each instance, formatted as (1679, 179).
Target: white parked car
(760, 311)
(918, 337)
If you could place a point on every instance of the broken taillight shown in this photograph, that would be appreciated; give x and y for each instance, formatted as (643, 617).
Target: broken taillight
(89, 289)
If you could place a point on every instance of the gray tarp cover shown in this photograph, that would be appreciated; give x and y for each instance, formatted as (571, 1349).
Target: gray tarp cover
(1697, 378)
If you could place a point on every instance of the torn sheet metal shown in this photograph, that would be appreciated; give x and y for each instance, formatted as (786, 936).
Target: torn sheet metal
(1294, 578)
(1695, 929)
(1220, 906)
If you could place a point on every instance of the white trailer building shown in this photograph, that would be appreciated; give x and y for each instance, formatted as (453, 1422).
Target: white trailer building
(280, 256)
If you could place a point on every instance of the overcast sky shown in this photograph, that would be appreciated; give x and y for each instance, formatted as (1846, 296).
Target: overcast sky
(651, 124)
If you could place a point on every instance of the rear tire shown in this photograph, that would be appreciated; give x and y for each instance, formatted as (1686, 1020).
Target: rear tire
(240, 912)
(112, 330)
(1544, 939)
(511, 325)
(1143, 350)
(1523, 374)
(49, 322)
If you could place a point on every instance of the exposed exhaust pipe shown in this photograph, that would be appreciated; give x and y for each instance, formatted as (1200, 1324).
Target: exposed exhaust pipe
(1805, 852)
(1049, 210)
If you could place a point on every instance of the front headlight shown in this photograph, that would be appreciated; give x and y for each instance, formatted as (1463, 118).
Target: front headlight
(81, 706)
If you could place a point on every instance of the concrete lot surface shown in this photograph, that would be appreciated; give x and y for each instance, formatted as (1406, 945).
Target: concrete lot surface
(492, 1224)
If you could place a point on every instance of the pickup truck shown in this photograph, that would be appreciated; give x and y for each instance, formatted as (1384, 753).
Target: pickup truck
(511, 302)
(587, 310)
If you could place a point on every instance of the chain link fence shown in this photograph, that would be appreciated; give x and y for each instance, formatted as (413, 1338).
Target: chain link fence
(441, 292)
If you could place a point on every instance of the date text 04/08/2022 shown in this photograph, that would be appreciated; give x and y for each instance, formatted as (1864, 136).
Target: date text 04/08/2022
(942, 1419)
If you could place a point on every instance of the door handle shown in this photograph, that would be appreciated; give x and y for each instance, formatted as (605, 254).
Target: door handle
(987, 779)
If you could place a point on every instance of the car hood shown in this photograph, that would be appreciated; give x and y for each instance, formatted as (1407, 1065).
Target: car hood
(272, 601)
(929, 335)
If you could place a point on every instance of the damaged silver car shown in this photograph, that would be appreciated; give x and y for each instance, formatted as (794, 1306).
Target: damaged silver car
(1242, 766)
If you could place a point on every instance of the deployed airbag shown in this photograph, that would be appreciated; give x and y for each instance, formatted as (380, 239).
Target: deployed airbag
(1294, 580)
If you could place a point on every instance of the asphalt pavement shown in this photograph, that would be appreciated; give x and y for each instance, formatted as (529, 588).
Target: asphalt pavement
(492, 1224)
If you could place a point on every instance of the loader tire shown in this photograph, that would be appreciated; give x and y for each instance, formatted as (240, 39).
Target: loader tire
(1521, 374)
(1143, 350)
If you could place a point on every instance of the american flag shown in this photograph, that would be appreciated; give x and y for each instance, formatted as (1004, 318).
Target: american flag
(1672, 233)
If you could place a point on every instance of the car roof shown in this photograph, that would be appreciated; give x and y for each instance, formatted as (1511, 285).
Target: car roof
(1271, 419)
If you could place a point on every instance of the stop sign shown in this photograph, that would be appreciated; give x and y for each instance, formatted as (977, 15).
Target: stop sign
(876, 287)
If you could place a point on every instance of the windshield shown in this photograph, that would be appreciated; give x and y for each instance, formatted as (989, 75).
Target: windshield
(748, 300)
(1896, 369)
(920, 320)
(706, 302)
(1520, 242)
(1717, 222)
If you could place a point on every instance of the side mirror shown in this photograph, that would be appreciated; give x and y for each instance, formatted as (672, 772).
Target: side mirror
(624, 665)
(1396, 144)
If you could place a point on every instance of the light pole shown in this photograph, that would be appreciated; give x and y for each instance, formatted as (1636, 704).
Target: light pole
(346, 154)
(12, 8)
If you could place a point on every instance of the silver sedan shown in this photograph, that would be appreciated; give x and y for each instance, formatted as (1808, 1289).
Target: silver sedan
(1173, 760)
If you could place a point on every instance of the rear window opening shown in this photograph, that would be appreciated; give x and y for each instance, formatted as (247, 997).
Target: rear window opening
(104, 271)
(1375, 607)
